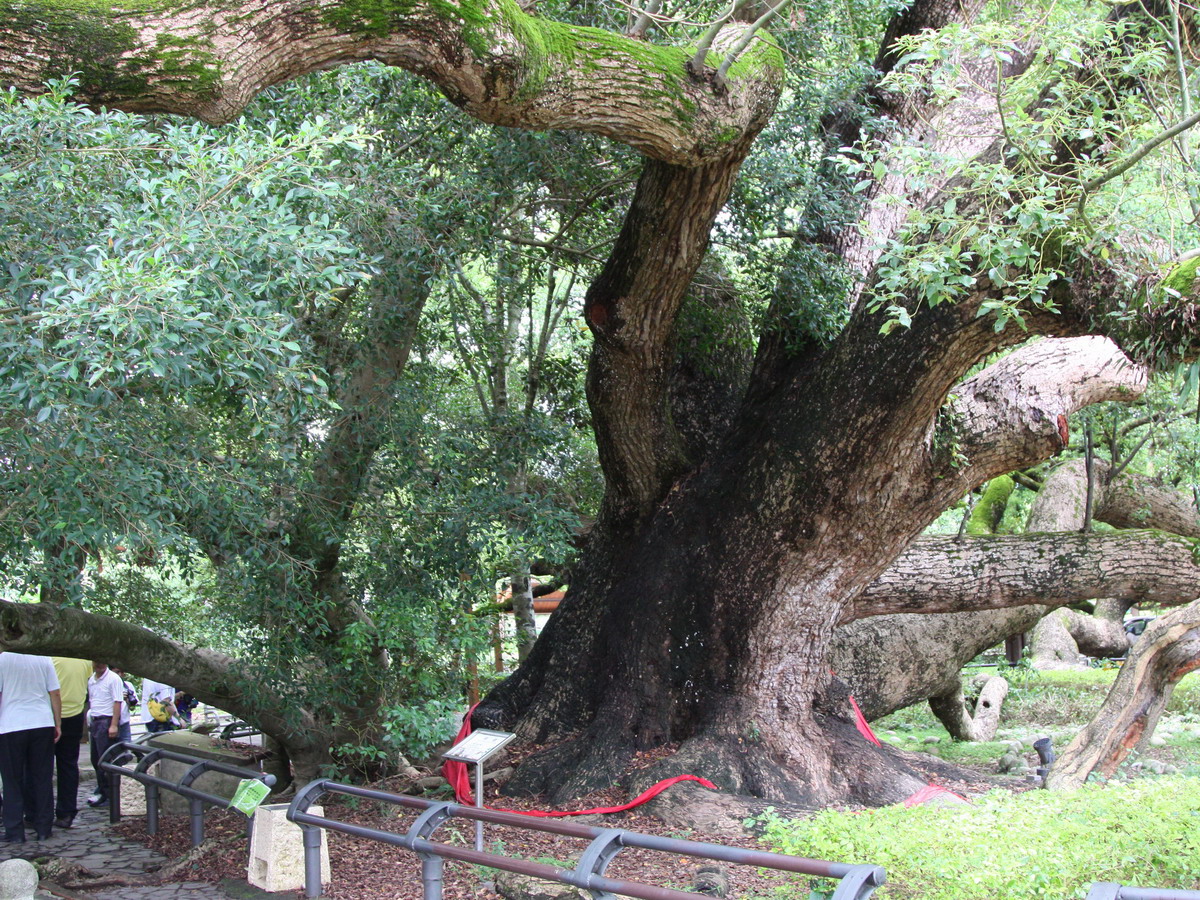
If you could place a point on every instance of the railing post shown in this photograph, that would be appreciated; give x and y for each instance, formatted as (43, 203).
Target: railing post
(312, 860)
(196, 811)
(114, 798)
(431, 875)
(152, 809)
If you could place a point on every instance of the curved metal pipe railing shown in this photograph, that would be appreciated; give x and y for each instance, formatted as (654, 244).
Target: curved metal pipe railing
(1107, 890)
(856, 882)
(147, 757)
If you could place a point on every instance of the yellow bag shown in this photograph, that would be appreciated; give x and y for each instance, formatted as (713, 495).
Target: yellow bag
(158, 710)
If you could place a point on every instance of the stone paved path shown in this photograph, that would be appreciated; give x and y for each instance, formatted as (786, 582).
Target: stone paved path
(91, 844)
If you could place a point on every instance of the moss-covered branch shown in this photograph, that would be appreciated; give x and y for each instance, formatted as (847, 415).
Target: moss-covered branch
(497, 62)
(210, 676)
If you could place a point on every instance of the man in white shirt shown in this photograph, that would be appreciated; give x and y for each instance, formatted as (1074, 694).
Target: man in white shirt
(30, 723)
(106, 702)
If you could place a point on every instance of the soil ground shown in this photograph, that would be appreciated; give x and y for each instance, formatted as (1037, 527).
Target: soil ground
(364, 869)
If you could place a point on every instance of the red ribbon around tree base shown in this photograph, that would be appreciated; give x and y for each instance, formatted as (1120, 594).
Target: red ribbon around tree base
(460, 779)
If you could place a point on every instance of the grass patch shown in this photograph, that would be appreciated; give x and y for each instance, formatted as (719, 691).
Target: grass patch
(1031, 846)
(1049, 704)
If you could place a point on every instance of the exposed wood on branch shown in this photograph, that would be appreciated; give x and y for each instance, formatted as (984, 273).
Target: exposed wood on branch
(1168, 649)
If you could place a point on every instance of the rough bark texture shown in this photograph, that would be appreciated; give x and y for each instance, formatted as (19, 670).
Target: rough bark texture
(491, 58)
(893, 661)
(899, 654)
(1167, 650)
(1126, 500)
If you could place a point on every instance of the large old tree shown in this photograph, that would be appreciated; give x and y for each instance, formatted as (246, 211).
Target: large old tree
(703, 612)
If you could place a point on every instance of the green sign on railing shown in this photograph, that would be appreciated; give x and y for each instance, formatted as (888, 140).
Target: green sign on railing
(249, 794)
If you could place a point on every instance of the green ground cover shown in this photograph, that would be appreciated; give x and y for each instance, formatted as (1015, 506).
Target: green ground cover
(1139, 828)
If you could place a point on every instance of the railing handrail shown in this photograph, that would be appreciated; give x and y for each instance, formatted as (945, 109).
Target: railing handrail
(197, 766)
(857, 882)
(1107, 890)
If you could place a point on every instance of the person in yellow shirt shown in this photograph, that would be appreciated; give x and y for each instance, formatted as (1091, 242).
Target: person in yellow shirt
(73, 677)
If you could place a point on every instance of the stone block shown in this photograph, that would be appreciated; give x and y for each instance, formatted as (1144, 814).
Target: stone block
(18, 880)
(277, 850)
(202, 747)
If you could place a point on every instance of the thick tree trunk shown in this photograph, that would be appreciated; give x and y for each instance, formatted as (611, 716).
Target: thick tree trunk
(1167, 650)
(730, 655)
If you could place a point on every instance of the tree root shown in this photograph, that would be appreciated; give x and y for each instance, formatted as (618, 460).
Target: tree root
(839, 767)
(72, 875)
(171, 871)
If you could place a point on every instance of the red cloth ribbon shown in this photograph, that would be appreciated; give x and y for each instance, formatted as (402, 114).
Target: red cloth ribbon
(927, 793)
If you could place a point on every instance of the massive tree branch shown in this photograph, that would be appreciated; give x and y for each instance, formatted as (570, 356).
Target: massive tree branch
(632, 308)
(945, 574)
(1015, 412)
(210, 676)
(489, 57)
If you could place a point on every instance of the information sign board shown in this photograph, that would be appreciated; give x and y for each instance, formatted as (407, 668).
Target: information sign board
(478, 746)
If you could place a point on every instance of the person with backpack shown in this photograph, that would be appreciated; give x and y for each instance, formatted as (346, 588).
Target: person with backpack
(130, 697)
(158, 706)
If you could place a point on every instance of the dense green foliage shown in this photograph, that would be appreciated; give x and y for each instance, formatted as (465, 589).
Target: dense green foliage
(188, 312)
(1035, 845)
(149, 273)
(1048, 704)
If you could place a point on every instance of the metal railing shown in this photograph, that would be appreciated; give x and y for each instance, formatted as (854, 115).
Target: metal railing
(238, 729)
(147, 757)
(1106, 890)
(856, 882)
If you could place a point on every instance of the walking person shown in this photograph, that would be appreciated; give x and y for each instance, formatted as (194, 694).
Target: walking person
(106, 701)
(30, 723)
(73, 675)
(125, 726)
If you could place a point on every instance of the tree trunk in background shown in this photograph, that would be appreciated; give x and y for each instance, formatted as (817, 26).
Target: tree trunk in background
(893, 661)
(965, 725)
(1168, 649)
(1063, 638)
(522, 604)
